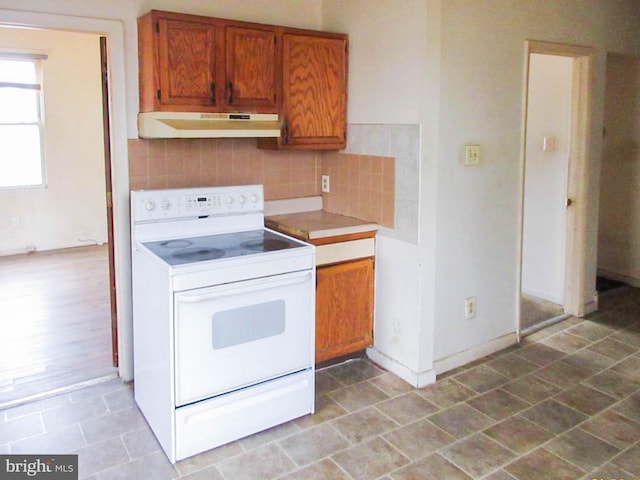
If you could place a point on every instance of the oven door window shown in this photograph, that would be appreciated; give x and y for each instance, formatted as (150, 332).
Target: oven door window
(239, 334)
(247, 324)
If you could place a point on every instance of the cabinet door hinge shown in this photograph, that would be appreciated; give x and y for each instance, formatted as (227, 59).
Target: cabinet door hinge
(157, 27)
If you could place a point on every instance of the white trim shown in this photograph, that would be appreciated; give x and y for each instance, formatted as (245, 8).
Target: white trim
(620, 277)
(575, 295)
(416, 379)
(462, 358)
(114, 31)
(591, 306)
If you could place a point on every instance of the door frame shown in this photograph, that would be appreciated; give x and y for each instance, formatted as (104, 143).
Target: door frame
(106, 135)
(113, 30)
(578, 174)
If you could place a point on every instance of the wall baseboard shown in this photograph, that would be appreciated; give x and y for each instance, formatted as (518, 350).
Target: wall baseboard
(413, 378)
(462, 358)
(619, 277)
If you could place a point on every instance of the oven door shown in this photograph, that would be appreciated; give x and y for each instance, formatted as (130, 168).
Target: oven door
(239, 334)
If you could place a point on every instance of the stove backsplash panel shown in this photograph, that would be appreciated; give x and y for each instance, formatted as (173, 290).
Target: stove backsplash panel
(184, 163)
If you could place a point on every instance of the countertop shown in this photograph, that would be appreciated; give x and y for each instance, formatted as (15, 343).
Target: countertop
(318, 224)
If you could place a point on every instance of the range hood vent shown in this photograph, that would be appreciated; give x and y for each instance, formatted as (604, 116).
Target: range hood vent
(207, 125)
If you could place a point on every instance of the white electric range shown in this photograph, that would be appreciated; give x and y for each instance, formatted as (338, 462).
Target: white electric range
(223, 317)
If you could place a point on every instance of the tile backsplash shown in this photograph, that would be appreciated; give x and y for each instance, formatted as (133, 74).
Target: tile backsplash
(183, 163)
(376, 178)
(402, 142)
(362, 186)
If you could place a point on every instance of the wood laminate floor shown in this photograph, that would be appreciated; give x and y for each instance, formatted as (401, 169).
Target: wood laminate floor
(55, 327)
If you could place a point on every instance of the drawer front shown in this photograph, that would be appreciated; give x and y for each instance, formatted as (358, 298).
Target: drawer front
(223, 419)
(344, 251)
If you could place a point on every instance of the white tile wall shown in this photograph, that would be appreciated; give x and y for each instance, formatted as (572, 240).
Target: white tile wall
(403, 143)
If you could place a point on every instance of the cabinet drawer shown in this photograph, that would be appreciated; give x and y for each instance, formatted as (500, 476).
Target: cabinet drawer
(221, 420)
(345, 251)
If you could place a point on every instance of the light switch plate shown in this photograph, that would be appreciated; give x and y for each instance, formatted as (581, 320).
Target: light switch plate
(472, 155)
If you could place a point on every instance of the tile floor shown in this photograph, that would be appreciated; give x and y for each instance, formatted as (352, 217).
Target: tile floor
(565, 404)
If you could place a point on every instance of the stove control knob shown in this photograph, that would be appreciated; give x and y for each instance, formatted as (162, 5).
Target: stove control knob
(254, 198)
(241, 199)
(165, 205)
(229, 200)
(149, 206)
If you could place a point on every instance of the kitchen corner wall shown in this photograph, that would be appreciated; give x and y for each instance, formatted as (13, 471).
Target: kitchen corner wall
(402, 142)
(184, 163)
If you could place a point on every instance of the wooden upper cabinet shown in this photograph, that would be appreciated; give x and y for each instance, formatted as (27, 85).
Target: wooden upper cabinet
(314, 91)
(187, 63)
(202, 64)
(251, 67)
(191, 63)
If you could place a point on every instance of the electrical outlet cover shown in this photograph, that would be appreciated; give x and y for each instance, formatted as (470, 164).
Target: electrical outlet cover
(326, 186)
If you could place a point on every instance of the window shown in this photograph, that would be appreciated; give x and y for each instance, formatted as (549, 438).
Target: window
(21, 123)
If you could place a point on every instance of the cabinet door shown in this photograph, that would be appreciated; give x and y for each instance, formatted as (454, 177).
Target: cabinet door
(344, 308)
(250, 69)
(314, 91)
(186, 63)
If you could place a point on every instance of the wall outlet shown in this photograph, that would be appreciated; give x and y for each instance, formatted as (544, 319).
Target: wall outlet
(15, 222)
(326, 187)
(469, 308)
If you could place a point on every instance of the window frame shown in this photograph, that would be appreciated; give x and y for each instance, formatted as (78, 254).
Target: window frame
(38, 60)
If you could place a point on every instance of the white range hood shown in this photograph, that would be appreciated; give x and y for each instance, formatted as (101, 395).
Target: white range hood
(207, 125)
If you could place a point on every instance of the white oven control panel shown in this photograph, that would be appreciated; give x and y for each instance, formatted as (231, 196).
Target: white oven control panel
(149, 205)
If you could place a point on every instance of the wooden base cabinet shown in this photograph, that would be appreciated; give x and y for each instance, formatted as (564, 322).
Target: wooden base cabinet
(344, 308)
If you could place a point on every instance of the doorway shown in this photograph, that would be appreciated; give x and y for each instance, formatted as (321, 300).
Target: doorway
(59, 319)
(618, 226)
(553, 208)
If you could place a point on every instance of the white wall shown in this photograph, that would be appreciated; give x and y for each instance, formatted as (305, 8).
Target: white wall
(71, 208)
(387, 75)
(619, 221)
(468, 59)
(481, 101)
(386, 64)
(545, 190)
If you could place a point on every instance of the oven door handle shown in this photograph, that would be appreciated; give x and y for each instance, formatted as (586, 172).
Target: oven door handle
(246, 287)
